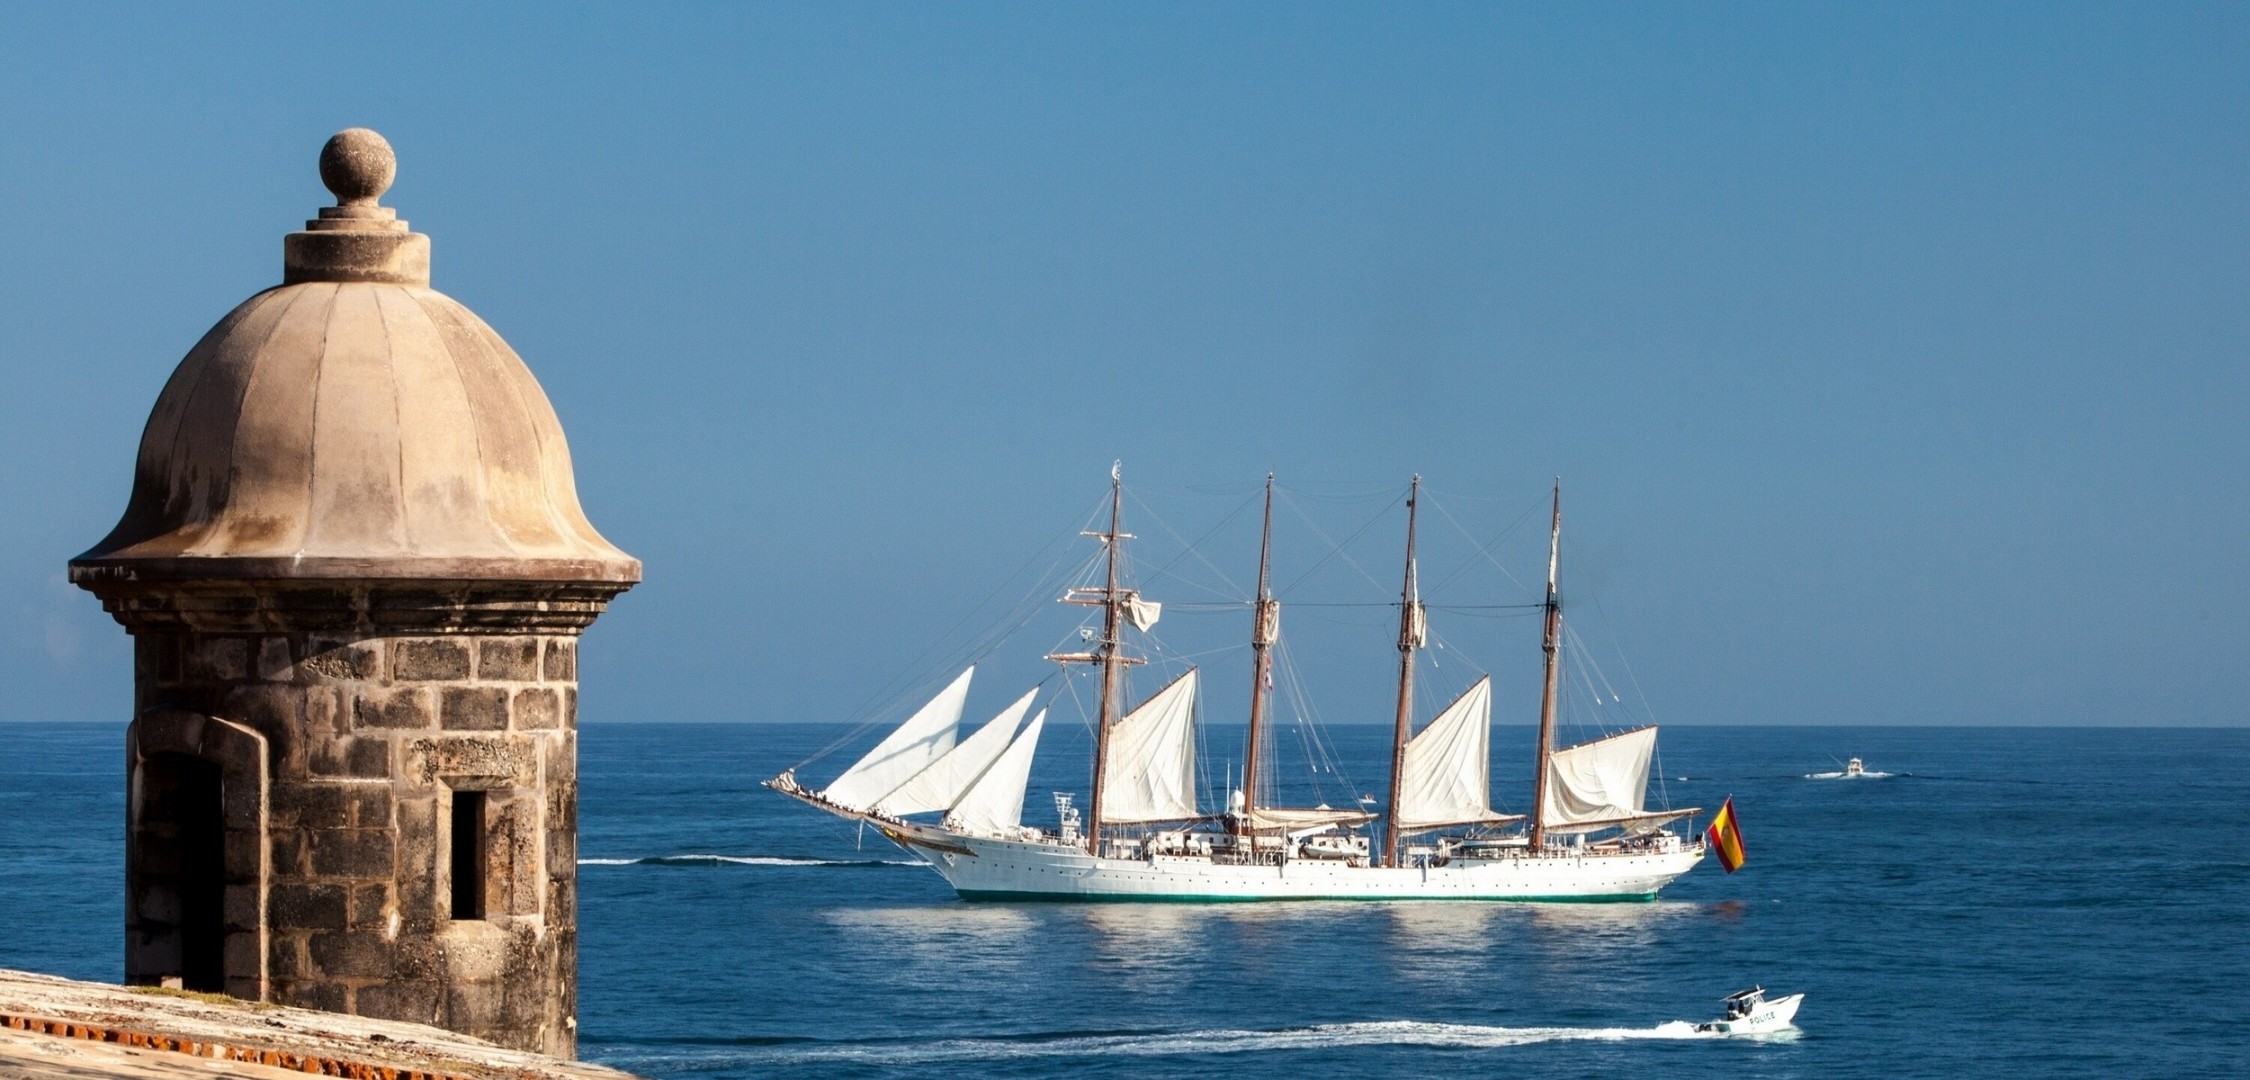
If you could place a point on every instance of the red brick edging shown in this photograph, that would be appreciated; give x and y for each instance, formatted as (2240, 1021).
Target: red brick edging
(311, 1064)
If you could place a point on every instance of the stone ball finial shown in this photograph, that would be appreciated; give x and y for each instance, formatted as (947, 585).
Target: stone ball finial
(358, 165)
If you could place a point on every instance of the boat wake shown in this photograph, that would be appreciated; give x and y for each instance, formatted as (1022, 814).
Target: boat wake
(743, 860)
(1868, 775)
(900, 1054)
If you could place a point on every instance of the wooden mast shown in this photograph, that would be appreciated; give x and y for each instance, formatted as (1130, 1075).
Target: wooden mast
(1551, 646)
(1265, 626)
(1410, 628)
(1109, 661)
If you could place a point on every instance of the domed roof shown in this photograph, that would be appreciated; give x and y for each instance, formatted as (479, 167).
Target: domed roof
(354, 423)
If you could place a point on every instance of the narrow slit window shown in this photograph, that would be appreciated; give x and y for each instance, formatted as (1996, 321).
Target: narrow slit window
(468, 854)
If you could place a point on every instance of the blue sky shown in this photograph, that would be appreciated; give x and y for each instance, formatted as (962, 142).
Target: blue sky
(1893, 355)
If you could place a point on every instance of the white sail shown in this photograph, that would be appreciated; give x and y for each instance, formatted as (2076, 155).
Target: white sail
(1151, 772)
(1447, 774)
(942, 784)
(993, 805)
(1598, 784)
(922, 739)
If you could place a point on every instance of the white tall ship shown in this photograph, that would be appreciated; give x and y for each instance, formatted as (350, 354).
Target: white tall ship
(957, 803)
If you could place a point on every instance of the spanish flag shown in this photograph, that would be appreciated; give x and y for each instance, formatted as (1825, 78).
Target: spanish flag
(1725, 837)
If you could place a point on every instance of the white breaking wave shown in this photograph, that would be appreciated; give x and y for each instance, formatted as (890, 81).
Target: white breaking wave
(1222, 1041)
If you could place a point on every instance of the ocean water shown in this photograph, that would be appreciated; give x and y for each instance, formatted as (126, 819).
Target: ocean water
(2012, 903)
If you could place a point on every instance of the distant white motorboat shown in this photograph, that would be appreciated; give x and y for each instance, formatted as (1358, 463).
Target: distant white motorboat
(1749, 1013)
(1852, 770)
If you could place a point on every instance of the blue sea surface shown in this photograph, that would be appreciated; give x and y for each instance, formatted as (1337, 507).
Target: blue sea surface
(2012, 903)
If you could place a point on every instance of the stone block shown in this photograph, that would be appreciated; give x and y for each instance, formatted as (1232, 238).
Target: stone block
(340, 661)
(242, 806)
(403, 709)
(538, 709)
(241, 957)
(275, 664)
(473, 1008)
(558, 752)
(267, 708)
(473, 708)
(561, 660)
(362, 758)
(510, 759)
(508, 659)
(570, 708)
(351, 954)
(326, 711)
(285, 957)
(417, 832)
(562, 852)
(242, 854)
(313, 994)
(308, 907)
(242, 906)
(159, 905)
(312, 806)
(287, 848)
(418, 912)
(430, 659)
(371, 907)
(415, 1002)
(353, 853)
(371, 806)
(562, 903)
(218, 659)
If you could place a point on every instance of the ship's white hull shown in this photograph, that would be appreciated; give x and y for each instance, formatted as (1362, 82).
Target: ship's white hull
(981, 868)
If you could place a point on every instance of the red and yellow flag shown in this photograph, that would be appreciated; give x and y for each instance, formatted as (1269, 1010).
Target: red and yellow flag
(1725, 837)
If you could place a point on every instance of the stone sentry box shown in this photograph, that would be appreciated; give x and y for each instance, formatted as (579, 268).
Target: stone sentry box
(355, 570)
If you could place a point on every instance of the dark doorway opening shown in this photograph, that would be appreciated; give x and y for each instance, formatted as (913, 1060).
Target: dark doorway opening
(468, 854)
(182, 857)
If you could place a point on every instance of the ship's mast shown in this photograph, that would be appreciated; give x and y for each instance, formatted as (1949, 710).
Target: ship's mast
(1109, 654)
(1410, 628)
(1109, 657)
(1265, 626)
(1551, 646)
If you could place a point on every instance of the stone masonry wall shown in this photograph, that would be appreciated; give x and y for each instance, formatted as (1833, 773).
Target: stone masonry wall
(370, 737)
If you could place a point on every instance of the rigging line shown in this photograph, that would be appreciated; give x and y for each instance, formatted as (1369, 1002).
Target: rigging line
(1334, 549)
(1310, 728)
(1332, 620)
(1484, 552)
(1579, 643)
(1200, 586)
(862, 719)
(1355, 495)
(1195, 549)
(980, 647)
(1618, 642)
(1220, 650)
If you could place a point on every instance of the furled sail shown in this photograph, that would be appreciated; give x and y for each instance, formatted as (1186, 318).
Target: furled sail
(1151, 771)
(1599, 784)
(1268, 819)
(1447, 776)
(942, 784)
(922, 739)
(993, 805)
(1142, 613)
